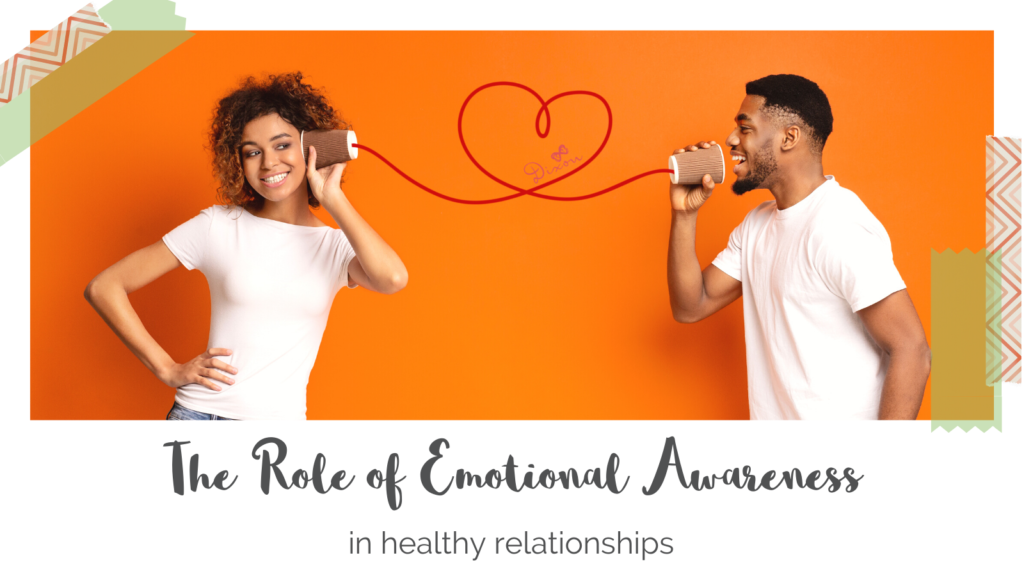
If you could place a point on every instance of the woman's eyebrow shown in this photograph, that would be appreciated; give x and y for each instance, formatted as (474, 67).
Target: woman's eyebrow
(282, 135)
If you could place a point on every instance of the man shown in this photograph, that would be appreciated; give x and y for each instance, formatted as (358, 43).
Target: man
(830, 330)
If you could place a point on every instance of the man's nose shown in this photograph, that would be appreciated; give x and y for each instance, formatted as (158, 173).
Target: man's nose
(733, 139)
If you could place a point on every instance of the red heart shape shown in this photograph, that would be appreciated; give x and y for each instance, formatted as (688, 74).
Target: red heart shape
(541, 133)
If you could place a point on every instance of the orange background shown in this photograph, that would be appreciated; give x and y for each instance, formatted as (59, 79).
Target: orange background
(527, 309)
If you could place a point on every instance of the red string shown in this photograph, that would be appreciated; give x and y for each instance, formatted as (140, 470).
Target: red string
(529, 192)
(543, 112)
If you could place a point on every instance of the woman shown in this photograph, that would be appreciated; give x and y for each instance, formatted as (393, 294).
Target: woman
(272, 266)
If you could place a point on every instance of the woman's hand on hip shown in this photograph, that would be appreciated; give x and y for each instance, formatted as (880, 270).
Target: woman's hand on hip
(204, 370)
(325, 182)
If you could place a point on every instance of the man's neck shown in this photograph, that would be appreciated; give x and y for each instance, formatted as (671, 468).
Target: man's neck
(795, 185)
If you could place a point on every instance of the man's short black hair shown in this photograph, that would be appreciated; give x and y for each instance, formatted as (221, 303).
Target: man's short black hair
(789, 94)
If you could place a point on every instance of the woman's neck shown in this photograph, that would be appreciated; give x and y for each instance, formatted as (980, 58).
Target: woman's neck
(289, 211)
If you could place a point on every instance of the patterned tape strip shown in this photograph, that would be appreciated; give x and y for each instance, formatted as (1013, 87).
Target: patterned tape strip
(142, 15)
(86, 79)
(966, 389)
(47, 65)
(52, 50)
(1003, 233)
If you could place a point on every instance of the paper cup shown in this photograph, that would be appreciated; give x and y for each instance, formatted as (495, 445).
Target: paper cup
(332, 146)
(688, 168)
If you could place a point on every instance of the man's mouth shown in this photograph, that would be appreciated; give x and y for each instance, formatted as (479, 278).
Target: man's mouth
(275, 179)
(740, 160)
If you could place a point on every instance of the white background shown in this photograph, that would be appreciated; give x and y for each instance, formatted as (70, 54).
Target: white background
(98, 494)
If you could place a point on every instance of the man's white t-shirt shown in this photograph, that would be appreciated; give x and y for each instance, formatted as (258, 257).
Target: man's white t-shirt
(271, 289)
(806, 271)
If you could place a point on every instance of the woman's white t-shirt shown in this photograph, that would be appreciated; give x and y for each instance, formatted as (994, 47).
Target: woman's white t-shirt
(271, 289)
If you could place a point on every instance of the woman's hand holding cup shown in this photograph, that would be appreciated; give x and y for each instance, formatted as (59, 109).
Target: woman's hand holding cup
(325, 182)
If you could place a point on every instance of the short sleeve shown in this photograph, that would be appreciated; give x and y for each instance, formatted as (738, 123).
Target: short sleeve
(855, 261)
(188, 241)
(343, 255)
(729, 260)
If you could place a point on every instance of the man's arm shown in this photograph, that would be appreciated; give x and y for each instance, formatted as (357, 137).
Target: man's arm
(896, 328)
(693, 294)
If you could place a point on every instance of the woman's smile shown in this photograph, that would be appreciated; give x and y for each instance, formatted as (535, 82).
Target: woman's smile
(275, 180)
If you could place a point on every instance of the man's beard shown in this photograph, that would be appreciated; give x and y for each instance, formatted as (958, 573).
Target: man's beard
(761, 166)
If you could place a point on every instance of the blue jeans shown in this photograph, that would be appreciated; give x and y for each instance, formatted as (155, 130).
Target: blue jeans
(179, 412)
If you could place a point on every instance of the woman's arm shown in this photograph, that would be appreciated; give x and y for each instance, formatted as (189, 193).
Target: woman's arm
(108, 294)
(376, 265)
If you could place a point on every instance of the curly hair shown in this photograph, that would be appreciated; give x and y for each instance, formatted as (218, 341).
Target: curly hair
(300, 104)
(786, 95)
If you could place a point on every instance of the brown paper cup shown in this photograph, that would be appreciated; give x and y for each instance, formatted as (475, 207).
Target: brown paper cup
(332, 146)
(688, 168)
